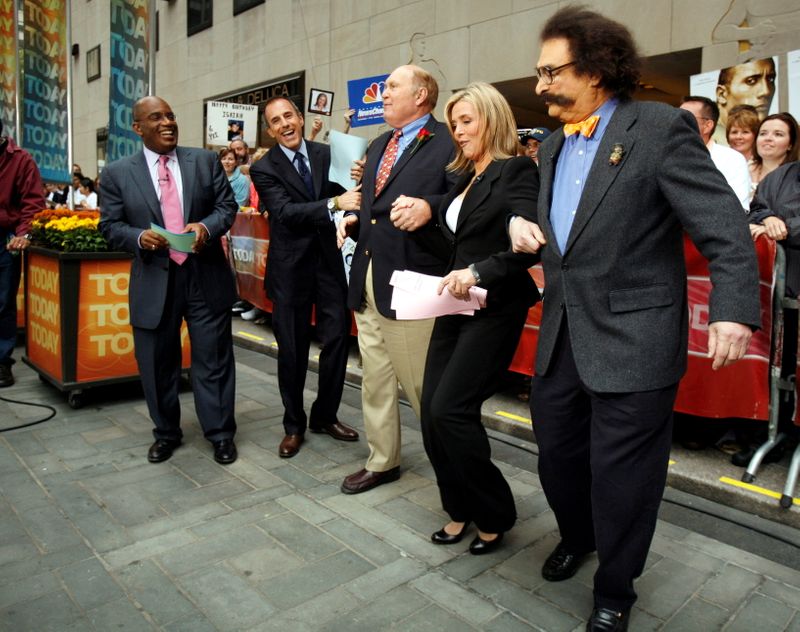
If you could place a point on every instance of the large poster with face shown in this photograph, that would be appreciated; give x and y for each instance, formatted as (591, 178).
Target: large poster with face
(753, 83)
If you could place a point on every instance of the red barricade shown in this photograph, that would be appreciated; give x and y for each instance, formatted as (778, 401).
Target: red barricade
(248, 254)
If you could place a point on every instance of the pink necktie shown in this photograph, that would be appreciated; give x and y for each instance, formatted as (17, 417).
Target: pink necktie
(387, 162)
(170, 206)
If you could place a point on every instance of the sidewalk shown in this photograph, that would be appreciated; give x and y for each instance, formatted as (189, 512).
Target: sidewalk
(92, 537)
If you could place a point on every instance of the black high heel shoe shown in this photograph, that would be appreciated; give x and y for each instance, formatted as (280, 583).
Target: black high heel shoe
(442, 537)
(480, 546)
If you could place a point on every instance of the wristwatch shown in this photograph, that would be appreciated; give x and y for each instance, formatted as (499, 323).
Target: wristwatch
(474, 271)
(333, 204)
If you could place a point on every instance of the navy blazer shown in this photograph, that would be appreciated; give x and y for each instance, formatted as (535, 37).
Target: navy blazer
(301, 231)
(419, 172)
(621, 280)
(130, 204)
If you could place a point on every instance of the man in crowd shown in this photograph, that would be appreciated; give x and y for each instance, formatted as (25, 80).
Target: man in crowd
(751, 83)
(185, 191)
(403, 182)
(305, 271)
(532, 140)
(241, 151)
(21, 196)
(730, 162)
(613, 339)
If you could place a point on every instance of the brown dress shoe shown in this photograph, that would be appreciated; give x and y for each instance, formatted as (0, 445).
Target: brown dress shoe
(337, 430)
(363, 480)
(290, 446)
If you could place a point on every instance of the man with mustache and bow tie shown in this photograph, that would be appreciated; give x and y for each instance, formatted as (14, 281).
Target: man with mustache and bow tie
(619, 184)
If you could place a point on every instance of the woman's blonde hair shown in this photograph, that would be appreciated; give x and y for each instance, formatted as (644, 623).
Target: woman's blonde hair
(498, 130)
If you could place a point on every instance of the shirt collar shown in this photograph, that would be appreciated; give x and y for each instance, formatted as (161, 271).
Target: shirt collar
(411, 130)
(152, 157)
(303, 150)
(605, 112)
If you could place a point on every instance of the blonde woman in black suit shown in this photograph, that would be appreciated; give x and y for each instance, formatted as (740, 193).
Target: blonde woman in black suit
(468, 354)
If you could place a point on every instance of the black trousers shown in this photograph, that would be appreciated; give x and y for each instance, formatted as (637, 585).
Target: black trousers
(291, 322)
(158, 354)
(603, 465)
(466, 358)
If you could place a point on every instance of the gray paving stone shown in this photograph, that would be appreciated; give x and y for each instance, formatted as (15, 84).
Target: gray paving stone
(42, 563)
(688, 555)
(311, 615)
(531, 506)
(375, 549)
(178, 521)
(69, 447)
(794, 626)
(381, 613)
(295, 587)
(193, 623)
(22, 492)
(730, 587)
(524, 568)
(296, 477)
(257, 497)
(303, 539)
(213, 549)
(761, 613)
(422, 520)
(156, 592)
(119, 615)
(17, 549)
(130, 505)
(207, 494)
(382, 579)
(234, 519)
(71, 426)
(573, 597)
(28, 588)
(25, 443)
(49, 613)
(89, 584)
(228, 601)
(307, 508)
(199, 467)
(45, 464)
(782, 592)
(255, 475)
(434, 619)
(261, 564)
(151, 547)
(456, 599)
(108, 482)
(697, 616)
(667, 586)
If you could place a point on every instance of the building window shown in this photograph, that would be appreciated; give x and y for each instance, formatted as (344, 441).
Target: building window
(199, 15)
(239, 6)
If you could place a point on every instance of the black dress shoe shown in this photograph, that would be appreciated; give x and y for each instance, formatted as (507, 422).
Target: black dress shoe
(480, 546)
(225, 451)
(608, 620)
(442, 537)
(561, 564)
(364, 480)
(162, 449)
(337, 430)
(6, 376)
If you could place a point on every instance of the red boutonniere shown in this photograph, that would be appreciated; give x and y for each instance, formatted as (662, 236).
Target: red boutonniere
(422, 137)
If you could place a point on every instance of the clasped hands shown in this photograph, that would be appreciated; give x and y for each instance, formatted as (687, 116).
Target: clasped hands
(773, 227)
(151, 240)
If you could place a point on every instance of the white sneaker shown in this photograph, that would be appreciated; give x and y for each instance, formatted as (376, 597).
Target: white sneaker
(252, 314)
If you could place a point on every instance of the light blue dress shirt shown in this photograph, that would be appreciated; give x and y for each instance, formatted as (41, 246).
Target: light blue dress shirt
(302, 150)
(574, 162)
(410, 132)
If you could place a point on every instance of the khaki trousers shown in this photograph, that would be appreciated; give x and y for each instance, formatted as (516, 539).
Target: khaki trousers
(392, 351)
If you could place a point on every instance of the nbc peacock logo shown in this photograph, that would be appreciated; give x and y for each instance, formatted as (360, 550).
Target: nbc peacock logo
(374, 92)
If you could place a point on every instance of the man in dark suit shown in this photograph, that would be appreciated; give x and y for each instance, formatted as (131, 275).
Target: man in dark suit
(184, 190)
(305, 270)
(408, 161)
(617, 191)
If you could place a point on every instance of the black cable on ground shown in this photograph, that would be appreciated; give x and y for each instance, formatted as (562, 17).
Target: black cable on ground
(30, 423)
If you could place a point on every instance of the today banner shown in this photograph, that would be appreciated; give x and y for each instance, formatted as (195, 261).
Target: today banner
(44, 89)
(129, 79)
(8, 68)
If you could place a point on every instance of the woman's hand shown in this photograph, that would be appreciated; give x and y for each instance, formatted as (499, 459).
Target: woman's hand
(458, 283)
(756, 230)
(344, 229)
(776, 228)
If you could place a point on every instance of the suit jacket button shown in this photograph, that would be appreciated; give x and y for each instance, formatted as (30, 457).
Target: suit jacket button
(373, 221)
(366, 252)
(564, 266)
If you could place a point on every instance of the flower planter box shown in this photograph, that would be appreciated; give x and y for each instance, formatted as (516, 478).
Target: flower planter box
(77, 330)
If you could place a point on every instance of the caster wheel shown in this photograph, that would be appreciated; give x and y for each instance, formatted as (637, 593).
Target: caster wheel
(786, 501)
(748, 478)
(75, 399)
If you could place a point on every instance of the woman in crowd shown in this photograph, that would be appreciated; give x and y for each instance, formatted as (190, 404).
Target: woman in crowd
(88, 197)
(776, 144)
(239, 182)
(468, 355)
(742, 130)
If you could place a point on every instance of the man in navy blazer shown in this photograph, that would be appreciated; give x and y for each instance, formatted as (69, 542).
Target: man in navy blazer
(305, 270)
(620, 183)
(163, 292)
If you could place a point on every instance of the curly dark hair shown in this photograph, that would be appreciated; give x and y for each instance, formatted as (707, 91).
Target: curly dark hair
(599, 46)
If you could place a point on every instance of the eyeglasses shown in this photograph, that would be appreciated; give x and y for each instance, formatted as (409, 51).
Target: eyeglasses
(547, 75)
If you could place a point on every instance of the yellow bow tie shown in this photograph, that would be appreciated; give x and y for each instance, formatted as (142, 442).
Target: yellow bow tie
(585, 127)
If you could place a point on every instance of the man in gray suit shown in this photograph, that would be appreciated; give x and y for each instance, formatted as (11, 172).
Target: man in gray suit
(619, 185)
(185, 190)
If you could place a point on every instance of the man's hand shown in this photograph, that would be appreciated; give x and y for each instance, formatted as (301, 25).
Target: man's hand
(316, 126)
(357, 170)
(344, 229)
(410, 213)
(200, 235)
(350, 200)
(727, 342)
(151, 240)
(525, 236)
(17, 243)
(756, 230)
(458, 283)
(776, 228)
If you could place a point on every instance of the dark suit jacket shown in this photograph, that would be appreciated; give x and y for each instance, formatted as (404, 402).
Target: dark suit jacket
(300, 227)
(507, 187)
(621, 282)
(419, 172)
(130, 204)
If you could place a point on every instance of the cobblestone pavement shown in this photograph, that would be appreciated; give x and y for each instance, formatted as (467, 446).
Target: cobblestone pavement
(92, 537)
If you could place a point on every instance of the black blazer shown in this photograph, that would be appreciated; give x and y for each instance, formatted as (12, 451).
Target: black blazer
(507, 187)
(621, 280)
(301, 231)
(419, 172)
(130, 204)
